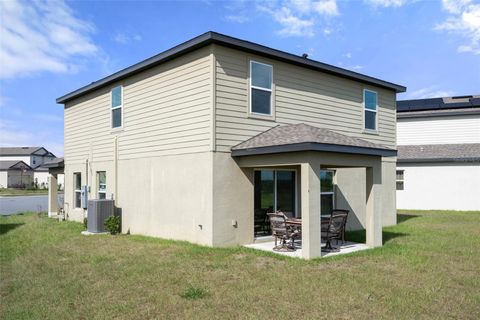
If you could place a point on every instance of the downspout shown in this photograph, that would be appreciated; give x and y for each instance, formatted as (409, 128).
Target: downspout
(115, 164)
(86, 184)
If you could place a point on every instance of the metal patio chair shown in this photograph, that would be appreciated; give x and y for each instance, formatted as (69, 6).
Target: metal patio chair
(282, 232)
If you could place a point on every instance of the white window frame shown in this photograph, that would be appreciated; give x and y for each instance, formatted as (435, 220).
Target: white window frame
(115, 108)
(365, 109)
(400, 180)
(326, 193)
(251, 86)
(79, 191)
(100, 191)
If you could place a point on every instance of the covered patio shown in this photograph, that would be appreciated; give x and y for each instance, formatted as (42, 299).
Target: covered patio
(309, 150)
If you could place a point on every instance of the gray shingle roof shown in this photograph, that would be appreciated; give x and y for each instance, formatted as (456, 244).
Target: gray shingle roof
(439, 153)
(18, 151)
(303, 137)
(5, 165)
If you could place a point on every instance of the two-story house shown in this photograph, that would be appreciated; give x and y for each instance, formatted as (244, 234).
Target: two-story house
(439, 153)
(34, 157)
(197, 142)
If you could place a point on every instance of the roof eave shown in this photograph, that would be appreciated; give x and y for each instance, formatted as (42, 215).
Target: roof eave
(213, 37)
(188, 46)
(435, 113)
(311, 146)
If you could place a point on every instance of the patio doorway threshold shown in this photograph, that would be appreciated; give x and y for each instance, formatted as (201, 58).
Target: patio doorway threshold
(345, 248)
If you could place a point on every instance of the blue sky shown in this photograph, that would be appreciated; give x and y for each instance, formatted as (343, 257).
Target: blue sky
(50, 48)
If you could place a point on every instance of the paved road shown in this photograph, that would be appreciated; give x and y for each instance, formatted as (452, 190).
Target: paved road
(12, 205)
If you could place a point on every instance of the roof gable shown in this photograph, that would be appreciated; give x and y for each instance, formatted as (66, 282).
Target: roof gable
(13, 164)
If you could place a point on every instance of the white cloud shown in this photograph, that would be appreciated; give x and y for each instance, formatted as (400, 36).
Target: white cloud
(464, 20)
(300, 17)
(356, 67)
(237, 18)
(291, 24)
(386, 3)
(42, 36)
(12, 134)
(429, 92)
(348, 55)
(455, 6)
(126, 38)
(327, 7)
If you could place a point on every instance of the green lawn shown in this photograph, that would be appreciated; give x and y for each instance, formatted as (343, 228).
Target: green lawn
(21, 192)
(428, 268)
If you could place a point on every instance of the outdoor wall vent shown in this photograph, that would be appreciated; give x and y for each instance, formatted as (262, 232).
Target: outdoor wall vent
(98, 212)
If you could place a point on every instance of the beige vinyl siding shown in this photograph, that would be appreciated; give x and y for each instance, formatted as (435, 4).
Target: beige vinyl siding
(166, 111)
(88, 127)
(300, 95)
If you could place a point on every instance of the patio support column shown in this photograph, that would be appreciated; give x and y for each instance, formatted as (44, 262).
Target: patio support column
(310, 195)
(373, 214)
(52, 195)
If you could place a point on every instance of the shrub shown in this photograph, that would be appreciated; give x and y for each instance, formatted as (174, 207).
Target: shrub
(85, 221)
(113, 225)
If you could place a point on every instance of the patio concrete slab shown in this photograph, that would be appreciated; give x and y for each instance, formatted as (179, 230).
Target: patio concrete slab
(347, 247)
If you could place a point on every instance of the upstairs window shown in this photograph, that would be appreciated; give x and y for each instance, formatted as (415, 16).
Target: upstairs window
(117, 103)
(370, 110)
(261, 88)
(400, 179)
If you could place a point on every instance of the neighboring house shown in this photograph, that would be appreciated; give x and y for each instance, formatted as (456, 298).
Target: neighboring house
(199, 141)
(439, 153)
(34, 157)
(15, 174)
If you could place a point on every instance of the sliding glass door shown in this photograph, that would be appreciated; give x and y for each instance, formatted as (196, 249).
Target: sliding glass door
(274, 190)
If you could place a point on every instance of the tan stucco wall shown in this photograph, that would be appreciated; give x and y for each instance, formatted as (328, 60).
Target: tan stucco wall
(168, 197)
(350, 194)
(232, 201)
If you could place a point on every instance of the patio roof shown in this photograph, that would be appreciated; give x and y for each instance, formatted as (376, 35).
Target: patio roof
(55, 163)
(304, 137)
